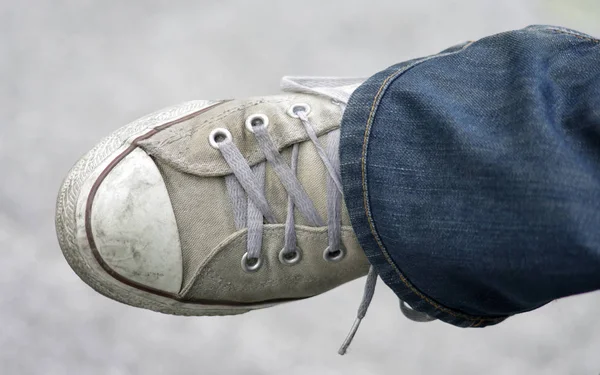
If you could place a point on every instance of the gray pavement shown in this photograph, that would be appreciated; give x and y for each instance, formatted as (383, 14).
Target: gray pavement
(73, 71)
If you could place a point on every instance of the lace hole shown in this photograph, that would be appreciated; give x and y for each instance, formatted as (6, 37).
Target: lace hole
(251, 264)
(219, 135)
(257, 119)
(290, 258)
(334, 255)
(297, 108)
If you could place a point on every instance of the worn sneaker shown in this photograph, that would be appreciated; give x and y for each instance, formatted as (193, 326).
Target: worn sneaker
(216, 207)
(219, 207)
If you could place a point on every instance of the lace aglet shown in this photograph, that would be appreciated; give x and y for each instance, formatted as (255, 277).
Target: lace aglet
(344, 348)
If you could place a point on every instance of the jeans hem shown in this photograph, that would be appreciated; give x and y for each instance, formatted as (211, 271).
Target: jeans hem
(356, 123)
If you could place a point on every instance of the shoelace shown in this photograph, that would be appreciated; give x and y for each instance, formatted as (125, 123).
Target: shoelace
(250, 207)
(250, 181)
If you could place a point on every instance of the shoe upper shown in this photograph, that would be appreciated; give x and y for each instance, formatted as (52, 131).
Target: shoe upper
(168, 216)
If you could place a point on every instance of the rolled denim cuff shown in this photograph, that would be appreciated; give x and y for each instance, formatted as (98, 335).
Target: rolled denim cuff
(455, 168)
(358, 118)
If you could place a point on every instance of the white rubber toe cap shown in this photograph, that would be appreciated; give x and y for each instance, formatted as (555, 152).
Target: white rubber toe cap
(134, 226)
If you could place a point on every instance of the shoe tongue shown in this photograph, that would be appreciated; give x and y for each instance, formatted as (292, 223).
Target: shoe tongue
(337, 88)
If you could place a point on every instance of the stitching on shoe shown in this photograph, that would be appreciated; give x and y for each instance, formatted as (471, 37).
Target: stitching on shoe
(313, 232)
(174, 159)
(475, 319)
(219, 117)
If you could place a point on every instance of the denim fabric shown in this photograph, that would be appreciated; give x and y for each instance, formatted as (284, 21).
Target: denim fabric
(472, 177)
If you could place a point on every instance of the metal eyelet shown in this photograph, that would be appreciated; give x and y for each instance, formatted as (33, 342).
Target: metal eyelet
(414, 315)
(290, 261)
(219, 135)
(298, 107)
(256, 119)
(251, 267)
(334, 256)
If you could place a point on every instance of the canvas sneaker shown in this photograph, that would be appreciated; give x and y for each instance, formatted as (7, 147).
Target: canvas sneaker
(218, 207)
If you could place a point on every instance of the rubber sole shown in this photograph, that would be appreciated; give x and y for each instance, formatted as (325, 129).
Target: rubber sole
(70, 226)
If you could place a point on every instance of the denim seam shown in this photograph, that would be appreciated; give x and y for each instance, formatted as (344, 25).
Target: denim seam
(572, 33)
(476, 321)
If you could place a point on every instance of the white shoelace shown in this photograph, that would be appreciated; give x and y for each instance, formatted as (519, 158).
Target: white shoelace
(250, 207)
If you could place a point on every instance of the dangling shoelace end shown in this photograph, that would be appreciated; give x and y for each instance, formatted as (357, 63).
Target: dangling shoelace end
(362, 309)
(344, 348)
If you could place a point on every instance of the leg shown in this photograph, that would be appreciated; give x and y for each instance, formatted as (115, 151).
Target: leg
(472, 177)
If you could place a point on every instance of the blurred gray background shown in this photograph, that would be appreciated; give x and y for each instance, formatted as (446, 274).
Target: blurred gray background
(73, 71)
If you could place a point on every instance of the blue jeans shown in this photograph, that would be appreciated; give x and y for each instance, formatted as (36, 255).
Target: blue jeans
(472, 177)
